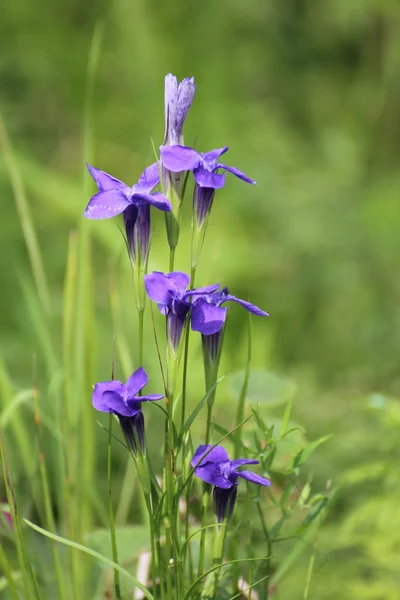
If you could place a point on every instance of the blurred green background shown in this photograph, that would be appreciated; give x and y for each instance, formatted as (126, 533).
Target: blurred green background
(307, 96)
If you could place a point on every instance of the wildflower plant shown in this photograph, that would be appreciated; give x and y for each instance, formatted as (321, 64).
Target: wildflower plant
(194, 551)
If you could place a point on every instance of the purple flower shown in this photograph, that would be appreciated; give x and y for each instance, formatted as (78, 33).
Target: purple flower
(208, 316)
(205, 169)
(222, 473)
(173, 299)
(124, 402)
(114, 197)
(178, 99)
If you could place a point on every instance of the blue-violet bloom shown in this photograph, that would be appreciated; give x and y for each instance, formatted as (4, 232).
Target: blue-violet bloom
(124, 402)
(173, 299)
(205, 169)
(217, 470)
(115, 197)
(208, 316)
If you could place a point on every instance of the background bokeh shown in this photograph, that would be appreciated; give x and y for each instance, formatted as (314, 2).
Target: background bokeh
(307, 95)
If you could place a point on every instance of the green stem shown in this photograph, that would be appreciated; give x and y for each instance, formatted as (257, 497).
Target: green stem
(208, 425)
(171, 259)
(206, 498)
(153, 544)
(269, 544)
(140, 340)
(218, 551)
(117, 585)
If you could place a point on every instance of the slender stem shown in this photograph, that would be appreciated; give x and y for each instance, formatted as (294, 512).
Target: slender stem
(269, 544)
(152, 543)
(218, 550)
(117, 585)
(140, 340)
(208, 425)
(206, 497)
(171, 259)
(185, 361)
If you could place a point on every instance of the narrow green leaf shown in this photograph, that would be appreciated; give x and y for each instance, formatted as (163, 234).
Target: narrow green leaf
(93, 553)
(199, 406)
(286, 417)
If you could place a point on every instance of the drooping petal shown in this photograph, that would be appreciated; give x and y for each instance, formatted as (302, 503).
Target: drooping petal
(98, 401)
(254, 477)
(150, 398)
(207, 318)
(157, 199)
(104, 181)
(247, 305)
(105, 205)
(235, 464)
(217, 455)
(210, 158)
(210, 473)
(207, 289)
(208, 179)
(224, 502)
(237, 173)
(158, 287)
(179, 158)
(148, 179)
(136, 382)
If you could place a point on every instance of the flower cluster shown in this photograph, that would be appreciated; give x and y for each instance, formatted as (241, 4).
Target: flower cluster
(162, 186)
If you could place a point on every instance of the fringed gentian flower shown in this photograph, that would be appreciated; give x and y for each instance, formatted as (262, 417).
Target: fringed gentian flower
(222, 473)
(205, 169)
(173, 299)
(114, 197)
(124, 402)
(208, 316)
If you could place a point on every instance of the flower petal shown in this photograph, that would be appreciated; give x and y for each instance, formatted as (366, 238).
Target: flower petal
(150, 398)
(98, 401)
(104, 181)
(149, 178)
(207, 289)
(247, 305)
(158, 287)
(180, 280)
(253, 477)
(208, 179)
(207, 318)
(237, 173)
(210, 473)
(217, 455)
(158, 200)
(213, 155)
(137, 381)
(235, 464)
(105, 205)
(179, 158)
(116, 404)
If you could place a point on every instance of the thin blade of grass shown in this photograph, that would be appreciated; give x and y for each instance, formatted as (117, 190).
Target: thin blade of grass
(93, 553)
(25, 217)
